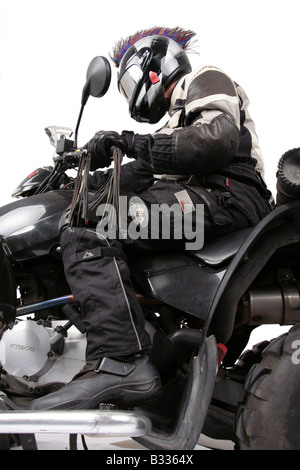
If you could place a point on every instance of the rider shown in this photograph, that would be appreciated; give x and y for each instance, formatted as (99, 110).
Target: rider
(206, 154)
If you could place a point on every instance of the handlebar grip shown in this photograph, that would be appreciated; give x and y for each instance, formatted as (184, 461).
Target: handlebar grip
(70, 156)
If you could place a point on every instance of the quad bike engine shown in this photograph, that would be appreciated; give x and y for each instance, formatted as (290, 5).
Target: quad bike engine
(39, 353)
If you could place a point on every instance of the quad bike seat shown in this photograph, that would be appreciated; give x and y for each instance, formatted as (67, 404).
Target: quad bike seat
(187, 280)
(219, 251)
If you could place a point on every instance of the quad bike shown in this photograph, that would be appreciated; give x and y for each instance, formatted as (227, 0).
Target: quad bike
(200, 308)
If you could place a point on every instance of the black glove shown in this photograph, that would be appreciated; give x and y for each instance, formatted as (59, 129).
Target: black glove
(100, 148)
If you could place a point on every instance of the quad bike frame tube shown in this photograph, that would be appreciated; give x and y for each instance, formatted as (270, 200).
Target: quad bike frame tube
(64, 300)
(35, 307)
(95, 422)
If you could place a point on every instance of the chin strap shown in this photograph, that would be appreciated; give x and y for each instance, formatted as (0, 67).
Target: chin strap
(109, 192)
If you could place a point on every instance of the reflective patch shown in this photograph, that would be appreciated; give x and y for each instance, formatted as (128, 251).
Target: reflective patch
(185, 202)
(138, 211)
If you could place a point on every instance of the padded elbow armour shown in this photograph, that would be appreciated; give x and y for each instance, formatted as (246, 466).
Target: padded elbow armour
(207, 147)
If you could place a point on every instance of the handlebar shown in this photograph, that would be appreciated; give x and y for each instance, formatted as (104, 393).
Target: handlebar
(64, 161)
(70, 157)
(70, 160)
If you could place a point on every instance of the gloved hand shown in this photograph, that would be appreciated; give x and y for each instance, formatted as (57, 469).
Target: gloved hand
(100, 148)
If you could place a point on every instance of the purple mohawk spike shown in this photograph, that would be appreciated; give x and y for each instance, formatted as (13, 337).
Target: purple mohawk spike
(179, 35)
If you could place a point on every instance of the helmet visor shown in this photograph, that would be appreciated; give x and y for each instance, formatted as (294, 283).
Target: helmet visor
(129, 81)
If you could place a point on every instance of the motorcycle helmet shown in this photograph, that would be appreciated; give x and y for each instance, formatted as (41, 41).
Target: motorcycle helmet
(149, 63)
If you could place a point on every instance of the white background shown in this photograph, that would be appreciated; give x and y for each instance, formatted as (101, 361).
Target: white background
(46, 46)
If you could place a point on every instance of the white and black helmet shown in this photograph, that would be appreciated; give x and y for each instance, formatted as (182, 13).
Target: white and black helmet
(148, 67)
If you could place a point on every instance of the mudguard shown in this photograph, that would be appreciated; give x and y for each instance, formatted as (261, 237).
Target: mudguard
(194, 403)
(278, 229)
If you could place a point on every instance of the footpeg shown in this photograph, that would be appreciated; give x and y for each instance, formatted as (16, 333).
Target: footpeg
(74, 318)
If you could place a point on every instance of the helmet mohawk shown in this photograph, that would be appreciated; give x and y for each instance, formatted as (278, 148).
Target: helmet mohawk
(179, 35)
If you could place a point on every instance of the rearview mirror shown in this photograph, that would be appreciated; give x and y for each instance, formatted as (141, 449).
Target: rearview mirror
(97, 79)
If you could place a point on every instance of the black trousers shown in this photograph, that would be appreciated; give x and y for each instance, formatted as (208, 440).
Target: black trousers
(99, 277)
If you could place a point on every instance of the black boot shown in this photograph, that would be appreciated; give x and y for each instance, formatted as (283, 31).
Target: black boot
(105, 380)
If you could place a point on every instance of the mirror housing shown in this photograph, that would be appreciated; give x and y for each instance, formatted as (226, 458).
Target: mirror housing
(98, 79)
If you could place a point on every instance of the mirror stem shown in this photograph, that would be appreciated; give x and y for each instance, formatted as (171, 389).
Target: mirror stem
(77, 125)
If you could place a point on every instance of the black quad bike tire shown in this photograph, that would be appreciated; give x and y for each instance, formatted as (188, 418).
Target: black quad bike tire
(269, 417)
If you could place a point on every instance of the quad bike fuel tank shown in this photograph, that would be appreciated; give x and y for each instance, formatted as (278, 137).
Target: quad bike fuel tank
(30, 226)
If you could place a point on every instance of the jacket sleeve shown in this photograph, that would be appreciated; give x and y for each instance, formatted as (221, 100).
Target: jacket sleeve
(210, 135)
(135, 177)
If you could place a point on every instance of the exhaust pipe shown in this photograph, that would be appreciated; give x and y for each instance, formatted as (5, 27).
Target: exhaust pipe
(274, 303)
(93, 422)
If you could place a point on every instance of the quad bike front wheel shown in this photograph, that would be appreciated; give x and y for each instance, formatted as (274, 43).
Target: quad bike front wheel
(269, 417)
